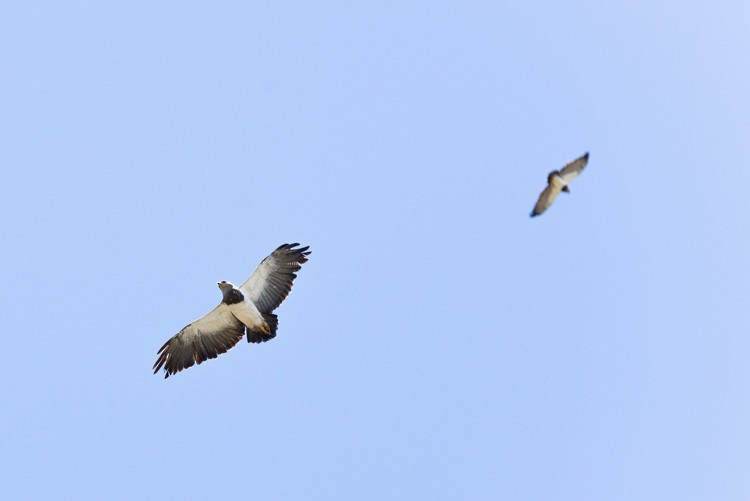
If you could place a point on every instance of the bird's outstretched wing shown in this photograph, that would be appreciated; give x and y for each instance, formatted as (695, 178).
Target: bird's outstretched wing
(272, 280)
(208, 337)
(546, 198)
(571, 171)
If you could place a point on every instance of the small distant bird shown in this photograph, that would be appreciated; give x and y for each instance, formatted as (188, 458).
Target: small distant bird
(558, 181)
(247, 309)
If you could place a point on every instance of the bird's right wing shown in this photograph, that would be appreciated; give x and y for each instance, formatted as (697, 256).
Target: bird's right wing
(272, 280)
(208, 337)
(571, 171)
(546, 198)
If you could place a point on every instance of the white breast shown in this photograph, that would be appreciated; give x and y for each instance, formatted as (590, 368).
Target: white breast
(558, 182)
(247, 313)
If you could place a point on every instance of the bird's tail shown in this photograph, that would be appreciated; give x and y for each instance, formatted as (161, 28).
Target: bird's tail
(261, 336)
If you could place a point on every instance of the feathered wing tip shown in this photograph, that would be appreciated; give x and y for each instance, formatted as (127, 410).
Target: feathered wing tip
(302, 252)
(162, 359)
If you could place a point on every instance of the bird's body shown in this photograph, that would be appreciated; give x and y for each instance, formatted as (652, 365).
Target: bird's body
(558, 181)
(248, 314)
(244, 310)
(554, 179)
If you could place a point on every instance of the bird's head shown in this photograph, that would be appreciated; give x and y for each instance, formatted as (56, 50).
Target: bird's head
(230, 293)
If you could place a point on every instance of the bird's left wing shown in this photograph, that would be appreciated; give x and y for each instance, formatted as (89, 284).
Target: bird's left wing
(571, 171)
(211, 335)
(272, 280)
(545, 199)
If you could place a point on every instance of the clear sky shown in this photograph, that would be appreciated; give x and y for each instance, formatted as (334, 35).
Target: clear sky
(439, 344)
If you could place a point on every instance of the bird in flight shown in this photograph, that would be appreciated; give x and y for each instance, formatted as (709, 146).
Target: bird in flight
(558, 181)
(247, 309)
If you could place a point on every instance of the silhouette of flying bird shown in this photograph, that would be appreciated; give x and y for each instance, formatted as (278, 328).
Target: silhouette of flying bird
(558, 181)
(247, 309)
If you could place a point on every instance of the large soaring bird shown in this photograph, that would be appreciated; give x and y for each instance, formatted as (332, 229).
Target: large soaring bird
(247, 309)
(558, 181)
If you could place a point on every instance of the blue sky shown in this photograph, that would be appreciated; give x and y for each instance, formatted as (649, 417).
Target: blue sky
(439, 344)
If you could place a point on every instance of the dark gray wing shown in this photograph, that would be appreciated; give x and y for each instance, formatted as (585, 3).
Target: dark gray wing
(208, 337)
(571, 171)
(272, 280)
(546, 198)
